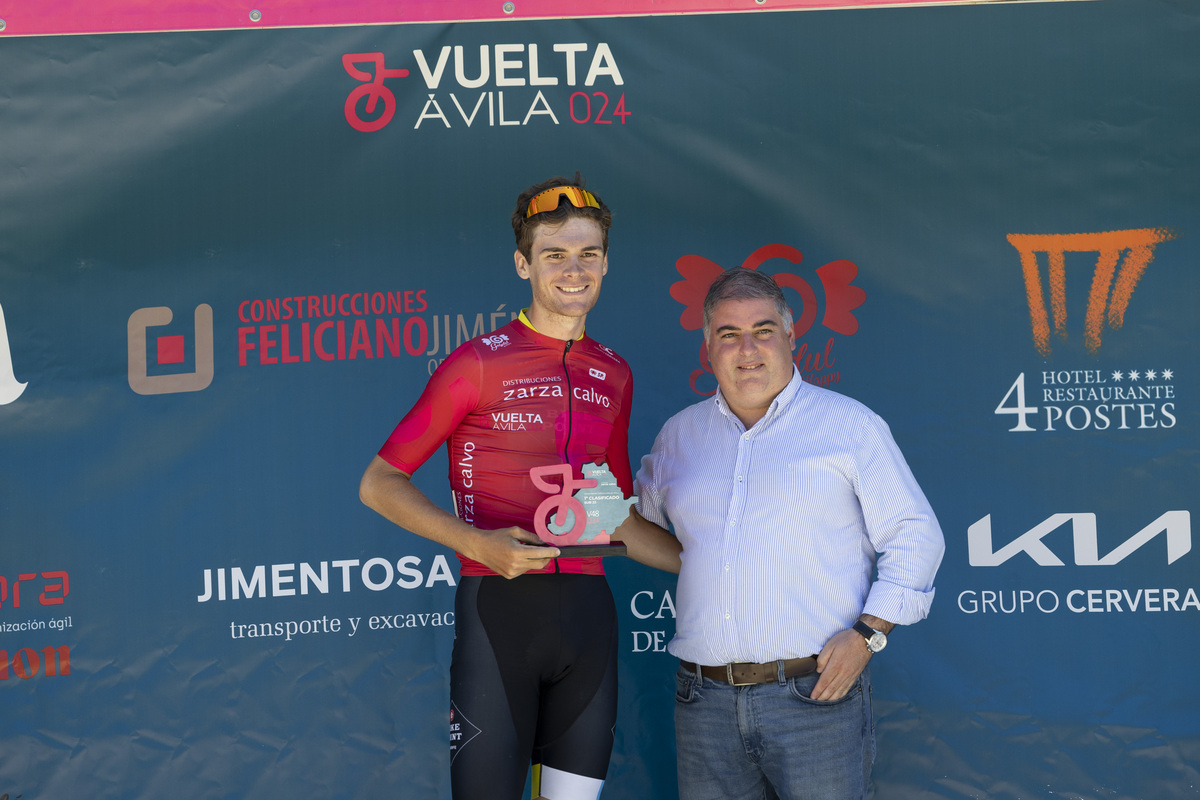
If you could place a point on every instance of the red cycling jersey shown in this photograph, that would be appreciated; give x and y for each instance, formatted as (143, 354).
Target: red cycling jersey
(514, 400)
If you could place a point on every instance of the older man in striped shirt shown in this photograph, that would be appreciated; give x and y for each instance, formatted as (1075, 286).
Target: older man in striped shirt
(788, 500)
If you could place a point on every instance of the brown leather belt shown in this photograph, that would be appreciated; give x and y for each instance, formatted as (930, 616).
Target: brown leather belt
(747, 674)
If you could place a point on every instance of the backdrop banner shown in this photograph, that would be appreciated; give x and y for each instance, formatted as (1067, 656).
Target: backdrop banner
(230, 260)
(126, 16)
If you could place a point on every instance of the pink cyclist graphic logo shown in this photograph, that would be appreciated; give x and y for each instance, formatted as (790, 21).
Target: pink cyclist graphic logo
(836, 279)
(372, 89)
(560, 503)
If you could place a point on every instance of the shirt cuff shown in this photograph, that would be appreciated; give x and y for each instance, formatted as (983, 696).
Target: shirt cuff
(897, 604)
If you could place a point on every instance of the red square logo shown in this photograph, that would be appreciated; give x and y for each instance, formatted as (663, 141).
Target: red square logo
(170, 350)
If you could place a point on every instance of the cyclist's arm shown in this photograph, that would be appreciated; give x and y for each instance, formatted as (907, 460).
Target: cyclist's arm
(450, 394)
(509, 552)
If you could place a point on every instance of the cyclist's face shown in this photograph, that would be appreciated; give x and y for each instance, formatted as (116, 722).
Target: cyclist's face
(565, 266)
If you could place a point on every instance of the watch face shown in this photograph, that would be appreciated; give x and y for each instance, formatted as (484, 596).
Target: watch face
(877, 642)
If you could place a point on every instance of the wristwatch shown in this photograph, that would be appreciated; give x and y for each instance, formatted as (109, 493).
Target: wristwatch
(876, 641)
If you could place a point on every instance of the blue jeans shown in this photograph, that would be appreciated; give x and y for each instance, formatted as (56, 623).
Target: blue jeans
(772, 740)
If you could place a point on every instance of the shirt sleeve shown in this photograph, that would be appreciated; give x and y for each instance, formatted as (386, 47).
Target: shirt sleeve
(452, 391)
(650, 500)
(901, 527)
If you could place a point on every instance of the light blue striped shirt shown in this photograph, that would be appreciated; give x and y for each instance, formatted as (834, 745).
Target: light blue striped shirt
(783, 525)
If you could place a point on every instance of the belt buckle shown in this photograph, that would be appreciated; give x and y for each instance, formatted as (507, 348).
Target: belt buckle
(729, 674)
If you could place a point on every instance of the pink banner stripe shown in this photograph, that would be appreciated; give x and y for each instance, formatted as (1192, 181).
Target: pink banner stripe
(48, 17)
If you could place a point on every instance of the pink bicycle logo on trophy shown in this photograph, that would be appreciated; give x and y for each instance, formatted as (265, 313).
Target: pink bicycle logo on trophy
(585, 510)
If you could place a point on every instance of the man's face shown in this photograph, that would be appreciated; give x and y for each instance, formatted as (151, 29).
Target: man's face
(751, 355)
(565, 266)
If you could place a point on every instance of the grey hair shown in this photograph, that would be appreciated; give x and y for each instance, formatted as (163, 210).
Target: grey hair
(745, 284)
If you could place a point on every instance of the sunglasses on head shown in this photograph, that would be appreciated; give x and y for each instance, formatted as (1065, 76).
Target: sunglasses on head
(549, 199)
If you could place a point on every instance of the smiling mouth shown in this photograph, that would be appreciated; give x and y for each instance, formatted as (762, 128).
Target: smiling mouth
(572, 289)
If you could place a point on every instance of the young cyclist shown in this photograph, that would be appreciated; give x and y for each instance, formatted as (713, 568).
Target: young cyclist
(533, 673)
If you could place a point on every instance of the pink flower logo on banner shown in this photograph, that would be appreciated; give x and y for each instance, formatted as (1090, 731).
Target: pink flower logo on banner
(842, 297)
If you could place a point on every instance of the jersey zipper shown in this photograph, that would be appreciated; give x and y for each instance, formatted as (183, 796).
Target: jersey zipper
(570, 420)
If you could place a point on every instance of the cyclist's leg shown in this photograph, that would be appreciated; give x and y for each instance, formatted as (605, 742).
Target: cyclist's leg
(579, 706)
(491, 730)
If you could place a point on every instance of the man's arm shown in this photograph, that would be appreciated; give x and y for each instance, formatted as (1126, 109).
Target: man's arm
(509, 552)
(648, 543)
(905, 533)
(902, 529)
(645, 542)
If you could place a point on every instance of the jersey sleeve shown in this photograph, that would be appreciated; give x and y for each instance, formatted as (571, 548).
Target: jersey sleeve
(452, 392)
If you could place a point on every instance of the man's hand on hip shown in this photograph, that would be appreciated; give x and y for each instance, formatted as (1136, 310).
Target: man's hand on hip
(840, 663)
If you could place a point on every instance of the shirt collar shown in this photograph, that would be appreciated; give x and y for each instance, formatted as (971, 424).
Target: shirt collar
(529, 324)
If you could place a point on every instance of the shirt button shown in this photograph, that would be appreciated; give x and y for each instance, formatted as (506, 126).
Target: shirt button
(739, 478)
(726, 615)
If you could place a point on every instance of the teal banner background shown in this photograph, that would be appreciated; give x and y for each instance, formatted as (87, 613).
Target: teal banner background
(984, 217)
